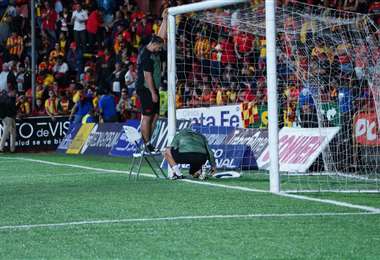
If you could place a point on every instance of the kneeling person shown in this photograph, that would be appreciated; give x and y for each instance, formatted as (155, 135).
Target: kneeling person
(189, 147)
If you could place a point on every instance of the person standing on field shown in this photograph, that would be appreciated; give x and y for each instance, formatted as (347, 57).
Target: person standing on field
(8, 112)
(148, 82)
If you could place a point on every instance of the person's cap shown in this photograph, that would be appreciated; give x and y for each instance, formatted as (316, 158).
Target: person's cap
(73, 45)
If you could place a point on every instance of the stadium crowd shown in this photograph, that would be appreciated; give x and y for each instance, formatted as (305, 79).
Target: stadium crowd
(87, 53)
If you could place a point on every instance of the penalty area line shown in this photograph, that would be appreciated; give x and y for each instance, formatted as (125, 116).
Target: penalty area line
(231, 187)
(179, 218)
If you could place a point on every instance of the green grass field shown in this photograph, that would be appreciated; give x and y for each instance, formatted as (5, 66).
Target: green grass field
(80, 207)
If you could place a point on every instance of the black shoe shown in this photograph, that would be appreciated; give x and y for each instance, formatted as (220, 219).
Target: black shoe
(150, 148)
(176, 177)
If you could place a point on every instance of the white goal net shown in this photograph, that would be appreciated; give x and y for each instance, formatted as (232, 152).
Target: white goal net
(328, 75)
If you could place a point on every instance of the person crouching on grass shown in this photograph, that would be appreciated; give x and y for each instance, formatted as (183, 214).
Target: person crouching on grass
(189, 147)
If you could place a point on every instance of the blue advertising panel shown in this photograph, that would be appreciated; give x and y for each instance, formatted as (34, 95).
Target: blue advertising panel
(70, 134)
(125, 147)
(160, 134)
(255, 138)
(229, 157)
(102, 138)
(216, 135)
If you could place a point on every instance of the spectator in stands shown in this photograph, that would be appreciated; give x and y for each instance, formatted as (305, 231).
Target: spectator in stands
(75, 60)
(216, 60)
(39, 108)
(79, 18)
(49, 19)
(124, 106)
(90, 117)
(136, 106)
(63, 43)
(248, 93)
(22, 78)
(64, 105)
(231, 95)
(350, 5)
(361, 60)
(107, 107)
(4, 77)
(23, 107)
(11, 79)
(130, 78)
(221, 98)
(81, 108)
(54, 53)
(163, 101)
(60, 71)
(15, 45)
(51, 105)
(308, 113)
(94, 29)
(117, 79)
(104, 66)
(244, 44)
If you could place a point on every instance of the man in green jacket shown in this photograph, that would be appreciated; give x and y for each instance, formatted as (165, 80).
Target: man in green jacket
(189, 147)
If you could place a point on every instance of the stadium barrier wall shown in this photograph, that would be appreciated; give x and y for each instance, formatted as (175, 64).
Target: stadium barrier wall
(234, 147)
(110, 139)
(39, 133)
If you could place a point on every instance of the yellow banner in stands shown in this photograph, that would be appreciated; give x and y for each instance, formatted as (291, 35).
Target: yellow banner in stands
(80, 138)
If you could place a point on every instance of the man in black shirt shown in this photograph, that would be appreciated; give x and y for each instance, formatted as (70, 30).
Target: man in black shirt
(147, 85)
(8, 115)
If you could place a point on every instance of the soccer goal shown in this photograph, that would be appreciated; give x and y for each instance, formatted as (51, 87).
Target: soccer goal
(296, 84)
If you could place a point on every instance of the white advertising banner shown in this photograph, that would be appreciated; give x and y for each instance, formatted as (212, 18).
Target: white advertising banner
(213, 116)
(299, 148)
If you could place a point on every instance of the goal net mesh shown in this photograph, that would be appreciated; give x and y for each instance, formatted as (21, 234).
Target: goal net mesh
(328, 75)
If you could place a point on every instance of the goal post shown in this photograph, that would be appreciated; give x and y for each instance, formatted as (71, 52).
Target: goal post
(270, 26)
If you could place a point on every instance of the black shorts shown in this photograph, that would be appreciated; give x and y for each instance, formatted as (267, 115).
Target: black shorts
(196, 160)
(148, 108)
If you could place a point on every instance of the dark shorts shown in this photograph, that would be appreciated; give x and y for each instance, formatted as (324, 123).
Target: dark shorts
(148, 108)
(196, 160)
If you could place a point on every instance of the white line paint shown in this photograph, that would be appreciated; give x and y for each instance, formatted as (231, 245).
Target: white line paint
(224, 186)
(299, 197)
(129, 220)
(333, 202)
(49, 175)
(333, 191)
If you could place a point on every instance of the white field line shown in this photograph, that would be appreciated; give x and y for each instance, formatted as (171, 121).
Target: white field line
(333, 191)
(334, 202)
(325, 201)
(49, 175)
(212, 217)
(330, 174)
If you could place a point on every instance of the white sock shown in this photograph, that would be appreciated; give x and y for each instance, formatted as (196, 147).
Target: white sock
(177, 170)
